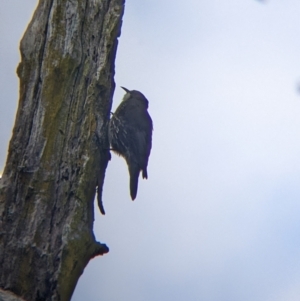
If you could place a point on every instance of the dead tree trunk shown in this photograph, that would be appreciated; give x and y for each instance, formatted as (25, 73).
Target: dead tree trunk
(59, 148)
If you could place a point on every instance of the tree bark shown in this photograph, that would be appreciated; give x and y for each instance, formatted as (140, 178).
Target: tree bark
(59, 149)
(8, 296)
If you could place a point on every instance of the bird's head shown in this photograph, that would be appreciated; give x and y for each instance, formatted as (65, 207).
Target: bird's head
(136, 95)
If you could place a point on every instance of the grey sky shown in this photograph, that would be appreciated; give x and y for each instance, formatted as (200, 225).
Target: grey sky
(219, 217)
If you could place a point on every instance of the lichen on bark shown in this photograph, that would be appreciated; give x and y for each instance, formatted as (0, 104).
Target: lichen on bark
(59, 149)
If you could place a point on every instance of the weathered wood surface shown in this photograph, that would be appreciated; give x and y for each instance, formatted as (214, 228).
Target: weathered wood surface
(59, 148)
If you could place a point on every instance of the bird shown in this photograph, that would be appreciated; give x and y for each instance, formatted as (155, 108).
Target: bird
(130, 135)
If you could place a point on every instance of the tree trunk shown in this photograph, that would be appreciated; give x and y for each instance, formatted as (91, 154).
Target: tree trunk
(59, 149)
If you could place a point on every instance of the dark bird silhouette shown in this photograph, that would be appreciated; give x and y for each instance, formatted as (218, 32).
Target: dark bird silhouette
(130, 135)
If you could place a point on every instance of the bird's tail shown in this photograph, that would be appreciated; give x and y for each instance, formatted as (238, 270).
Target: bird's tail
(134, 172)
(145, 174)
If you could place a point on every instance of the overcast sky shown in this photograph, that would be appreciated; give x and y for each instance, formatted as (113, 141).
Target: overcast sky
(219, 217)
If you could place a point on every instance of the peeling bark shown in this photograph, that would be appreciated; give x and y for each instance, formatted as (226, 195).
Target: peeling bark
(8, 296)
(59, 149)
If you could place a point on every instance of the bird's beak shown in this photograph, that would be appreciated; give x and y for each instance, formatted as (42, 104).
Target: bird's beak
(125, 89)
